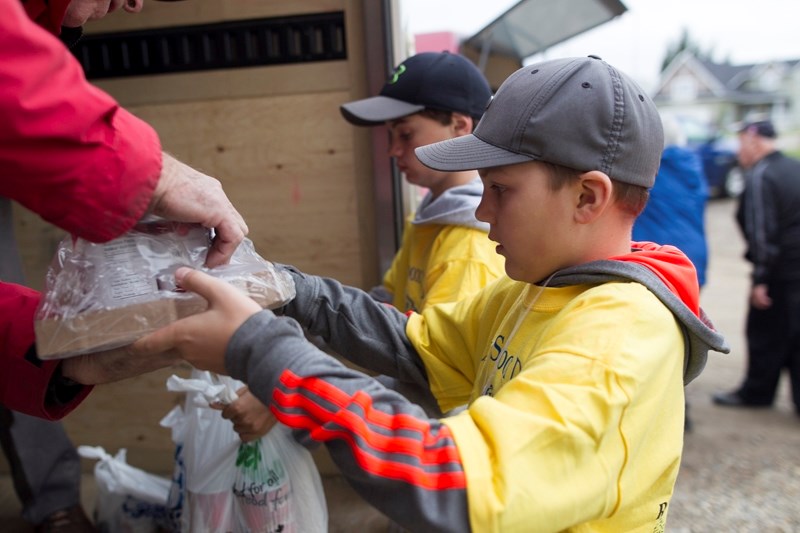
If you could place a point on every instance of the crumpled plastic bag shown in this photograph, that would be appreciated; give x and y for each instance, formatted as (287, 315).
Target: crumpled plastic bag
(129, 500)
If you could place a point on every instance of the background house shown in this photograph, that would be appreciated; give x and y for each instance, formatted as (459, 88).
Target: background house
(720, 94)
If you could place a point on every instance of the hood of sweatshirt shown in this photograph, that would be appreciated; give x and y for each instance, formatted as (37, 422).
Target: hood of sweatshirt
(455, 207)
(671, 277)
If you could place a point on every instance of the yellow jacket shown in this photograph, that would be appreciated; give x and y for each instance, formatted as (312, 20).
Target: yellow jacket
(564, 432)
(438, 263)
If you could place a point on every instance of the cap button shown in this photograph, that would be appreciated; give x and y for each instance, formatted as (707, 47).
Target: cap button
(595, 57)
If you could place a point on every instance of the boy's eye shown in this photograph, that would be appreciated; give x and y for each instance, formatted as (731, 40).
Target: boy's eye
(497, 188)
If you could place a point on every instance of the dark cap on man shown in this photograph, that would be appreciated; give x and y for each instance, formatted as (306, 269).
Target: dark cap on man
(580, 113)
(762, 128)
(433, 80)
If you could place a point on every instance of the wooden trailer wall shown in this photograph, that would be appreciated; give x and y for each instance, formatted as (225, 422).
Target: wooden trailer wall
(300, 175)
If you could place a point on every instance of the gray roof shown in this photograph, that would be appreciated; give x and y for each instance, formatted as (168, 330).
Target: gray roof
(731, 79)
(724, 72)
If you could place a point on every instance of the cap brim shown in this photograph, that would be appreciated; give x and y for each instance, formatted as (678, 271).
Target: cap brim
(377, 110)
(467, 153)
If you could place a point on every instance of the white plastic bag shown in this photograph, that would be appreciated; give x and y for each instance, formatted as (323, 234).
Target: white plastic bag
(129, 500)
(209, 450)
(277, 486)
(270, 485)
(176, 422)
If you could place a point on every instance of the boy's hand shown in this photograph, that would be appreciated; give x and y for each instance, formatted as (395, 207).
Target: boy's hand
(251, 418)
(201, 339)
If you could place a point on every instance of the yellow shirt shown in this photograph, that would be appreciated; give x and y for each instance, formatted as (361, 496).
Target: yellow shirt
(575, 420)
(440, 263)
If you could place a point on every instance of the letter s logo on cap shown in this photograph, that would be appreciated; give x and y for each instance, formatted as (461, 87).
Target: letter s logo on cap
(397, 73)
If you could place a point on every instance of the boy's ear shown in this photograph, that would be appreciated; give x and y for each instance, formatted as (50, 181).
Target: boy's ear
(595, 193)
(462, 124)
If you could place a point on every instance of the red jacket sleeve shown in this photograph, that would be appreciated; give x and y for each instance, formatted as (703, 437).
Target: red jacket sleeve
(26, 384)
(71, 154)
(68, 151)
(47, 13)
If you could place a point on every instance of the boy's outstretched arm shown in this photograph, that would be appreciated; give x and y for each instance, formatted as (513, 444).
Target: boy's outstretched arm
(398, 459)
(363, 331)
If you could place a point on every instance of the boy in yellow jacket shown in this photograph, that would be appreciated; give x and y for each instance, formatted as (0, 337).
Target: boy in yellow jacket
(445, 254)
(573, 366)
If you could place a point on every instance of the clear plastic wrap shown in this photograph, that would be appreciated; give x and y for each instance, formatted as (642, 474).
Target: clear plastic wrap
(103, 296)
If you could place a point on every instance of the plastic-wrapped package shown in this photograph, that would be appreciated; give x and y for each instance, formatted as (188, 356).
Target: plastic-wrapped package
(103, 296)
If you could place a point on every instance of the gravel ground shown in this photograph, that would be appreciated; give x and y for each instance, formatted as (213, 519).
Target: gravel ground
(741, 467)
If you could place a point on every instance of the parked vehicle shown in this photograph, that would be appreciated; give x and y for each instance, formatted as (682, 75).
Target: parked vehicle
(718, 153)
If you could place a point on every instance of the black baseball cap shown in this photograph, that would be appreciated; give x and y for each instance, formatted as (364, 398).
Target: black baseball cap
(434, 80)
(762, 128)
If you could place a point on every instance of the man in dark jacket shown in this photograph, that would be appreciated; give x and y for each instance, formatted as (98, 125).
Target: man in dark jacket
(769, 217)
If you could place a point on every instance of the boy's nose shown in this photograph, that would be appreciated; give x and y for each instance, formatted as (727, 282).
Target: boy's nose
(394, 149)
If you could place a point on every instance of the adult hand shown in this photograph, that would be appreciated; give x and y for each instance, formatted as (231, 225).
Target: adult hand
(184, 194)
(114, 365)
(759, 296)
(251, 418)
(201, 339)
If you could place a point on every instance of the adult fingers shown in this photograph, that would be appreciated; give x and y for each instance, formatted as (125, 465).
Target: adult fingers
(228, 235)
(133, 6)
(160, 341)
(187, 195)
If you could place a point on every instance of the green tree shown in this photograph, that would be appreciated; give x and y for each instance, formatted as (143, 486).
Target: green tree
(685, 42)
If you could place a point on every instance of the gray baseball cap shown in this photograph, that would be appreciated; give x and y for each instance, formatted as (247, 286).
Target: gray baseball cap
(580, 113)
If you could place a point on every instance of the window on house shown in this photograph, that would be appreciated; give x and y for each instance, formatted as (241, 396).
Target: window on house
(770, 80)
(683, 88)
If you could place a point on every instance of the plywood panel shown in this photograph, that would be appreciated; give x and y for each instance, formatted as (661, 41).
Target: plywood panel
(37, 241)
(126, 415)
(498, 67)
(286, 164)
(227, 84)
(166, 14)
